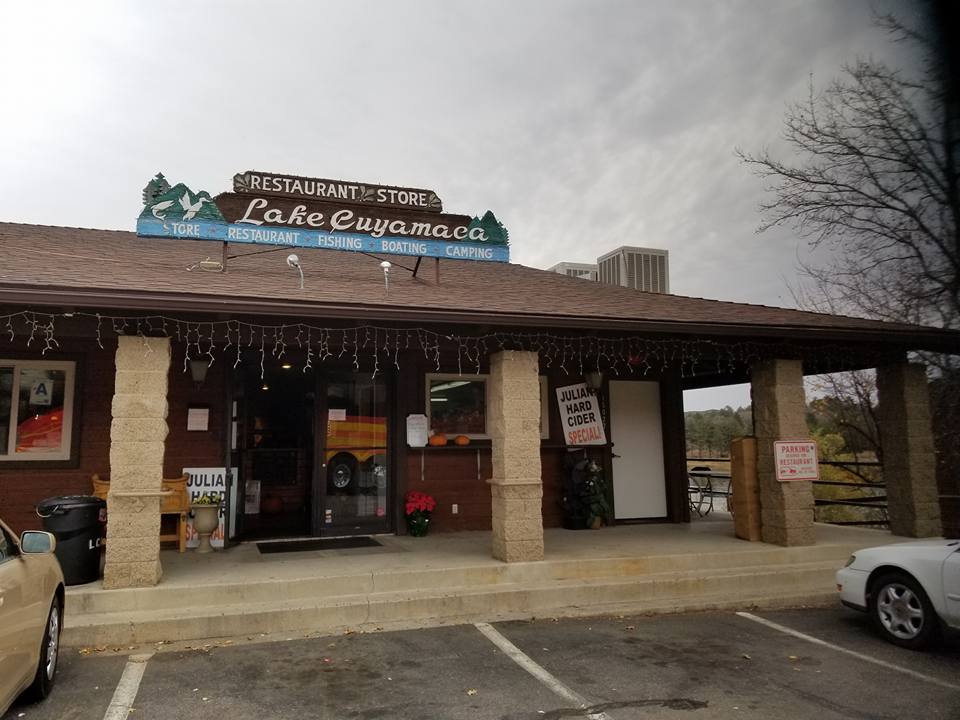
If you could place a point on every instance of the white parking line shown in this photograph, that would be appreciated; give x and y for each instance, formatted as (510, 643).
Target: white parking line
(524, 661)
(859, 656)
(127, 688)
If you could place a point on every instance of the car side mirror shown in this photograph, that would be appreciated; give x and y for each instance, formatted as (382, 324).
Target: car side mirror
(35, 542)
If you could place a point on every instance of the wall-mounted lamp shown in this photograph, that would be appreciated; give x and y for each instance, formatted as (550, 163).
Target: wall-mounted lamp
(294, 262)
(198, 370)
(593, 379)
(385, 266)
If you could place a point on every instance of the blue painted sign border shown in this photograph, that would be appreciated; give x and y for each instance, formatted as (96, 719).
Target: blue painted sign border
(265, 235)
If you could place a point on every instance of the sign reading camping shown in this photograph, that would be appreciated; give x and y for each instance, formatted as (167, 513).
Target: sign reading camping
(321, 219)
(580, 416)
(261, 183)
(796, 460)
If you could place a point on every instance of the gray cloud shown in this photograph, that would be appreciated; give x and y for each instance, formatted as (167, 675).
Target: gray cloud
(583, 125)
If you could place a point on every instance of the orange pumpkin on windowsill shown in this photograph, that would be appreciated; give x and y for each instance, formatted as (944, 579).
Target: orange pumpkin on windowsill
(461, 440)
(437, 440)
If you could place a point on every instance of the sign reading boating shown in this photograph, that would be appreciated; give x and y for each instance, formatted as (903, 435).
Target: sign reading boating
(580, 416)
(796, 460)
(304, 212)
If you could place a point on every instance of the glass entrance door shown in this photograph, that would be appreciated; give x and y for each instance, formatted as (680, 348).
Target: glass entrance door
(353, 480)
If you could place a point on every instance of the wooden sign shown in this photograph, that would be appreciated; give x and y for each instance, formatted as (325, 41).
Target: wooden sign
(255, 210)
(796, 460)
(302, 188)
(275, 219)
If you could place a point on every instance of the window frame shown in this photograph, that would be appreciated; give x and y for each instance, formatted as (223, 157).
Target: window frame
(543, 381)
(67, 455)
(448, 377)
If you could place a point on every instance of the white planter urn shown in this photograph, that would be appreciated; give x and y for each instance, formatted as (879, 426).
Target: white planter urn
(206, 519)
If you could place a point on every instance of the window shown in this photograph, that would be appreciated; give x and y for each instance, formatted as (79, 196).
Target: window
(36, 410)
(457, 405)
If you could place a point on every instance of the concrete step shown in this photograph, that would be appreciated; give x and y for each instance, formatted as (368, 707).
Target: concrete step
(702, 588)
(86, 600)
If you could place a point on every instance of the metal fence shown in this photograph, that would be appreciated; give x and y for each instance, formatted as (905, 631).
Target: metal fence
(861, 500)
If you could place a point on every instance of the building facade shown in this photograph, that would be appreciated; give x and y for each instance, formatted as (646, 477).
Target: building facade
(313, 390)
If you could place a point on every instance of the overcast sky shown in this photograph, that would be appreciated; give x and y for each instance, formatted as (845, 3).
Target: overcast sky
(582, 125)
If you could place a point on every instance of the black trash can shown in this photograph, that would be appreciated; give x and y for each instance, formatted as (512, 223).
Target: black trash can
(78, 522)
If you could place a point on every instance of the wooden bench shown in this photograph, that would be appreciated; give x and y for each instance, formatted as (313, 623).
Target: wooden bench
(174, 500)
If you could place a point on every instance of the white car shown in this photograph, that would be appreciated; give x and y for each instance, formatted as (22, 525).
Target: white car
(31, 615)
(911, 589)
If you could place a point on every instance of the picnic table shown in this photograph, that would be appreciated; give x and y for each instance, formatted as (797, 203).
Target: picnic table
(704, 486)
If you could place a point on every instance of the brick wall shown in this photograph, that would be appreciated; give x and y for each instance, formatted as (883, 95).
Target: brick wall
(22, 488)
(450, 476)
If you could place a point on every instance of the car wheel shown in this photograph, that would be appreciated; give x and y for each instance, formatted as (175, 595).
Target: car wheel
(902, 611)
(49, 653)
(342, 474)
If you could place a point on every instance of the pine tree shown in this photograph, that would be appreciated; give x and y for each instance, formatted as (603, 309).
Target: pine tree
(154, 189)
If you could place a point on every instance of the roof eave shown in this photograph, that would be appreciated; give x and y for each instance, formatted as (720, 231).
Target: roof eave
(928, 339)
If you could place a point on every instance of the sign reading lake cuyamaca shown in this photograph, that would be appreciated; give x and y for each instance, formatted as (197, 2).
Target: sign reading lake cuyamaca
(374, 221)
(178, 212)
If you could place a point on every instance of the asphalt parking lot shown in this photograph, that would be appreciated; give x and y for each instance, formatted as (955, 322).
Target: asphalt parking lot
(703, 665)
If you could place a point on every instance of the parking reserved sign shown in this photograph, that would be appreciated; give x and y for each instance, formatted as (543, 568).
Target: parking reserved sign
(796, 460)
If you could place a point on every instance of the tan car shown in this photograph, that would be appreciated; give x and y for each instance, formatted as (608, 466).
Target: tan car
(31, 615)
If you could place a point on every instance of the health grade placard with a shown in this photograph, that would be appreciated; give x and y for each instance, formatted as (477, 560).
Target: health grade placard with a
(580, 416)
(796, 460)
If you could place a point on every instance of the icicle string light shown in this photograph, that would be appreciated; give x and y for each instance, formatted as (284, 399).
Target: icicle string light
(625, 355)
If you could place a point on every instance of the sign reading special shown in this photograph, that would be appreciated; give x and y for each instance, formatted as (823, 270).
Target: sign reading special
(796, 460)
(304, 212)
(580, 416)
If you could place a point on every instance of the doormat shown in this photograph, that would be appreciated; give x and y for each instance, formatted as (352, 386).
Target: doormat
(346, 543)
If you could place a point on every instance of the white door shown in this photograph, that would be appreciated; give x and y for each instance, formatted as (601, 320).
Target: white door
(639, 484)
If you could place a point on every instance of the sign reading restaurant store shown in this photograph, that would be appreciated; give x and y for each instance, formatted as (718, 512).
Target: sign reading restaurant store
(305, 212)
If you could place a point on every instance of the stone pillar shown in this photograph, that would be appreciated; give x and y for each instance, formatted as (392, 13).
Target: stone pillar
(909, 459)
(137, 436)
(516, 486)
(779, 413)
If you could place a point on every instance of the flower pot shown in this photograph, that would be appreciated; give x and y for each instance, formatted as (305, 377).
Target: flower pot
(206, 519)
(418, 523)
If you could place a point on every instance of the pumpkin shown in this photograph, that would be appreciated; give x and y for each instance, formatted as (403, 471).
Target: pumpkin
(438, 440)
(461, 440)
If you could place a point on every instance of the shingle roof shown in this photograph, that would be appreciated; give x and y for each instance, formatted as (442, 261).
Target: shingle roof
(62, 265)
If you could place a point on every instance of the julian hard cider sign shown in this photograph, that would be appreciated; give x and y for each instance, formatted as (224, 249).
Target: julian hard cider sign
(294, 211)
(580, 416)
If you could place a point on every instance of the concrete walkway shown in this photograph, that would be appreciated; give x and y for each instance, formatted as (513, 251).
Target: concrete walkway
(448, 578)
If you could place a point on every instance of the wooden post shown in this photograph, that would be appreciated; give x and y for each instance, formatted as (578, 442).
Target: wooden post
(745, 488)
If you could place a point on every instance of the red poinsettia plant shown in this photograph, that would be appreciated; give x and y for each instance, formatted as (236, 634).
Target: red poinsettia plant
(418, 508)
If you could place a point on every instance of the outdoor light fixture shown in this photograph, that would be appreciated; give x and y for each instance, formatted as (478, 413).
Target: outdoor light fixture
(198, 370)
(207, 264)
(386, 275)
(286, 366)
(593, 379)
(294, 262)
(264, 387)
